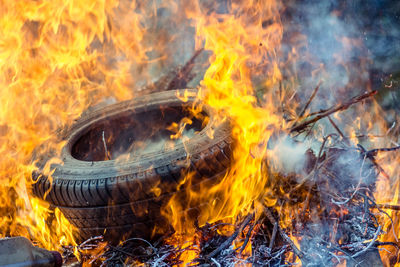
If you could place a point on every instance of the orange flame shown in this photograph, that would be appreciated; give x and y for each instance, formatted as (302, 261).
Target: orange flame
(243, 46)
(55, 60)
(59, 57)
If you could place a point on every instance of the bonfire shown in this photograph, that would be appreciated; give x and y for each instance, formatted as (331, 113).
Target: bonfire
(199, 133)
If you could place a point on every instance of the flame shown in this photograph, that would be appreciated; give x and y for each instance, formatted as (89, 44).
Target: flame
(60, 57)
(245, 39)
(388, 192)
(242, 45)
(56, 59)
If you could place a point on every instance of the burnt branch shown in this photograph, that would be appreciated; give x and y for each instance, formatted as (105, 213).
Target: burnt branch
(371, 156)
(310, 99)
(324, 113)
(248, 235)
(295, 249)
(229, 241)
(345, 139)
(375, 151)
(388, 206)
(274, 231)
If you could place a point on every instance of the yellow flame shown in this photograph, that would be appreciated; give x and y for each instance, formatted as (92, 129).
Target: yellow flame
(242, 46)
(56, 59)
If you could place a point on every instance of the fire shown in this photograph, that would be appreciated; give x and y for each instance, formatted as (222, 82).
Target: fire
(55, 62)
(60, 57)
(243, 46)
(388, 192)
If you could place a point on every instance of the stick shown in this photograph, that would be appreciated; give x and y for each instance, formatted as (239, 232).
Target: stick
(388, 206)
(346, 140)
(310, 99)
(95, 238)
(296, 250)
(372, 158)
(333, 247)
(384, 212)
(274, 231)
(247, 238)
(369, 245)
(375, 151)
(216, 262)
(124, 252)
(231, 238)
(325, 113)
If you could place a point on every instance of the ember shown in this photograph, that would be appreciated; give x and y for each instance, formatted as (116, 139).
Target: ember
(275, 141)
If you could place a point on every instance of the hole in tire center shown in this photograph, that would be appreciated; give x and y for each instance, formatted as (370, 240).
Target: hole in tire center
(133, 134)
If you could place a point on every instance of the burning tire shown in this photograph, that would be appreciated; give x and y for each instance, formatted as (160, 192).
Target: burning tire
(120, 165)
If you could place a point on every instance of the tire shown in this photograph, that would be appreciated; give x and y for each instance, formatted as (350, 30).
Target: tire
(121, 198)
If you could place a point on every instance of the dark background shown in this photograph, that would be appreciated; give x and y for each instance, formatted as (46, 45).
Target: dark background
(376, 23)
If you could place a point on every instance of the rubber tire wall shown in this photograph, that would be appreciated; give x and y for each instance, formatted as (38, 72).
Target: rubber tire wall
(116, 198)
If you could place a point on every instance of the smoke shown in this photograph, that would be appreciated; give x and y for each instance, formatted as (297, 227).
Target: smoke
(330, 51)
(348, 48)
(153, 144)
(287, 156)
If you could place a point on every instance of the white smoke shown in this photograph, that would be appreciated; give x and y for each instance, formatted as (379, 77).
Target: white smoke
(287, 155)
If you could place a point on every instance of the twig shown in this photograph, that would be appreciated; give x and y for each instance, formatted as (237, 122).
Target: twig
(345, 139)
(375, 151)
(307, 201)
(331, 246)
(231, 238)
(391, 128)
(325, 113)
(274, 231)
(247, 237)
(373, 160)
(310, 99)
(309, 131)
(216, 262)
(318, 162)
(105, 146)
(158, 261)
(384, 212)
(95, 238)
(388, 206)
(370, 243)
(104, 263)
(335, 256)
(296, 250)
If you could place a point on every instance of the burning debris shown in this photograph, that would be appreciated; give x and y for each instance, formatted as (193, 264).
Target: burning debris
(265, 160)
(330, 203)
(328, 198)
